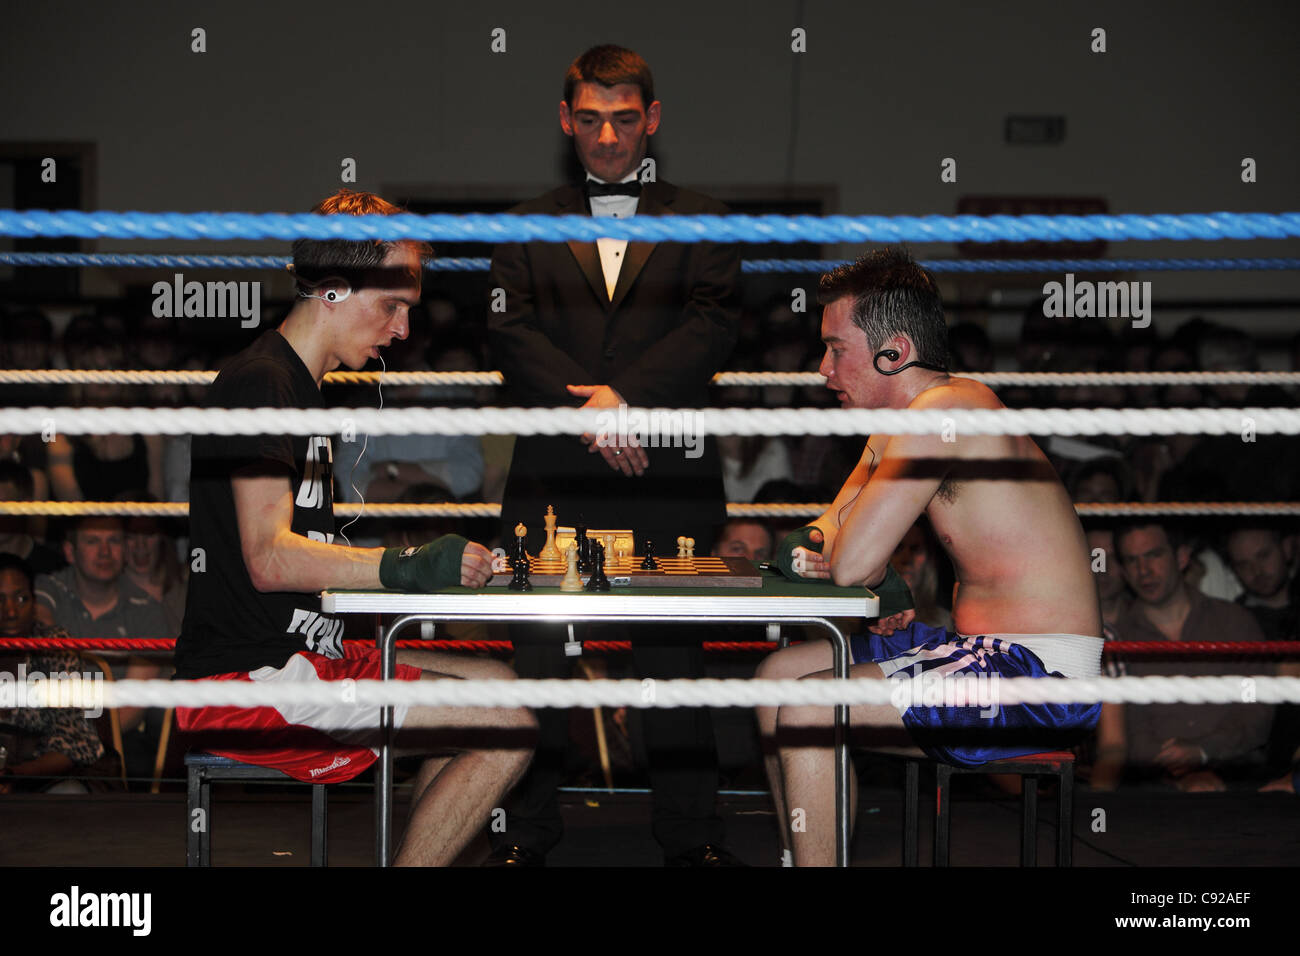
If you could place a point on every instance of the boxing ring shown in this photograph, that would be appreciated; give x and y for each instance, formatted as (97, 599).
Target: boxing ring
(841, 694)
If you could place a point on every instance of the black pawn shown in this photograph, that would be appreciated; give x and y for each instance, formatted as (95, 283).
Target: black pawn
(520, 580)
(649, 563)
(598, 581)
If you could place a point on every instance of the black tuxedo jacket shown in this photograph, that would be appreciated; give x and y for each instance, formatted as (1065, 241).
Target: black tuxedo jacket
(673, 320)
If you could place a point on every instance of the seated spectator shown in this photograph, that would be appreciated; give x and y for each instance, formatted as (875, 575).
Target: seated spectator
(15, 536)
(93, 599)
(1106, 763)
(153, 564)
(101, 467)
(1100, 481)
(744, 538)
(969, 348)
(915, 559)
(1264, 560)
(1196, 747)
(43, 744)
(1112, 591)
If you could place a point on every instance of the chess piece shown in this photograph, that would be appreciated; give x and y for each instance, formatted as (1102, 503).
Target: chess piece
(549, 551)
(520, 580)
(571, 580)
(681, 546)
(598, 581)
(649, 563)
(607, 552)
(584, 552)
(521, 549)
(690, 547)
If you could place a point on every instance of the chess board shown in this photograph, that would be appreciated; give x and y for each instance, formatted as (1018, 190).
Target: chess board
(670, 572)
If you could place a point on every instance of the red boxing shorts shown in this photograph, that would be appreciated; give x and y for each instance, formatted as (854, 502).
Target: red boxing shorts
(310, 742)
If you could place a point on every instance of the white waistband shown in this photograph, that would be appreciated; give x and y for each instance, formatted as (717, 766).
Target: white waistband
(1072, 655)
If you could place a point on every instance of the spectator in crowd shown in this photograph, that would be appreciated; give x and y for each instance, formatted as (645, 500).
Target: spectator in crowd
(1107, 754)
(969, 348)
(1100, 481)
(744, 538)
(1264, 560)
(45, 746)
(93, 599)
(153, 563)
(1196, 747)
(101, 467)
(15, 534)
(28, 343)
(915, 559)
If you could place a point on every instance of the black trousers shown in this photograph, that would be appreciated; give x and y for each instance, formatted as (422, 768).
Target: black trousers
(679, 741)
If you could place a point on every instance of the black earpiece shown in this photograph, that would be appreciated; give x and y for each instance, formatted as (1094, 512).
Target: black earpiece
(891, 355)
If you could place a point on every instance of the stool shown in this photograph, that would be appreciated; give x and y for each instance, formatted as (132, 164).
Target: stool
(202, 768)
(1058, 763)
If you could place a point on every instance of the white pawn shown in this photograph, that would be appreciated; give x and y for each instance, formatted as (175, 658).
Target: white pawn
(681, 546)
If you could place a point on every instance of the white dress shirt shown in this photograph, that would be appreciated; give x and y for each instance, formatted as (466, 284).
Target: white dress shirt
(612, 250)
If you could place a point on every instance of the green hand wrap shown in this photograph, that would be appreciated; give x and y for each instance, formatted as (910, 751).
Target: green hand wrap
(893, 593)
(798, 538)
(426, 568)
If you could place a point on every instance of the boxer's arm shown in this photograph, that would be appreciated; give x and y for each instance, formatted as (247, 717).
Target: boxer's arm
(910, 470)
(277, 559)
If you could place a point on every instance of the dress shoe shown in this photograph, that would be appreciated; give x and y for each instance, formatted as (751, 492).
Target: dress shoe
(515, 855)
(707, 854)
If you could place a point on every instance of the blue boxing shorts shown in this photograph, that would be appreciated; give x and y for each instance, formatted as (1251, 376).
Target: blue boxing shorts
(968, 736)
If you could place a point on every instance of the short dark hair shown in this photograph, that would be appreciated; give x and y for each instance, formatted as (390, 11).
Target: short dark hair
(1173, 533)
(609, 66)
(354, 261)
(11, 562)
(892, 295)
(20, 476)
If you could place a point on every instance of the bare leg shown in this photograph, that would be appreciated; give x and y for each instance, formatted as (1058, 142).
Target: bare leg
(455, 796)
(806, 740)
(790, 663)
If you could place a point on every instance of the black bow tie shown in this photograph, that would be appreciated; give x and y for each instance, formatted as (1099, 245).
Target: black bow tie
(613, 189)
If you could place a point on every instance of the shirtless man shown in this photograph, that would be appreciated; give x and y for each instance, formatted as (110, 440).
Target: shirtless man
(998, 509)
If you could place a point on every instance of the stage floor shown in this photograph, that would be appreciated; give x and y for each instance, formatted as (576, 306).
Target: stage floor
(260, 827)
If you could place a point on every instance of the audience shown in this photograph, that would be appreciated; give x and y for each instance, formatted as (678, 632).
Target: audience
(93, 598)
(46, 748)
(1194, 747)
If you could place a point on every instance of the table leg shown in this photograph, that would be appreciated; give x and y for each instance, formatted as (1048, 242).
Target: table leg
(840, 664)
(384, 770)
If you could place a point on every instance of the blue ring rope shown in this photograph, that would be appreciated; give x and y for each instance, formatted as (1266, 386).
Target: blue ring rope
(503, 227)
(453, 264)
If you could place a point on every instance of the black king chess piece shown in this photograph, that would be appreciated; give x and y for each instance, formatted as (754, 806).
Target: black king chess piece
(597, 581)
(523, 566)
(649, 563)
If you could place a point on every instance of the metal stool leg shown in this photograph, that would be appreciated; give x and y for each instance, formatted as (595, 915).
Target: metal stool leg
(911, 812)
(1065, 818)
(319, 824)
(942, 812)
(1028, 820)
(205, 834)
(192, 803)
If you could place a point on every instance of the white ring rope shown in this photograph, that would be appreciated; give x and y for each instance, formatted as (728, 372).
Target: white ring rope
(483, 509)
(673, 427)
(921, 690)
(1031, 379)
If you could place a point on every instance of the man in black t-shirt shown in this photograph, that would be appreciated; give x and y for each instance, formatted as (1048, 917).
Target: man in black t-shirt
(262, 519)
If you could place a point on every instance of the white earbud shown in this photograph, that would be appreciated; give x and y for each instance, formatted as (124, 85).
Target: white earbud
(329, 295)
